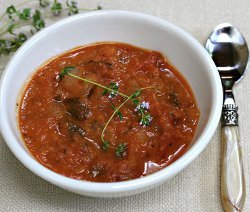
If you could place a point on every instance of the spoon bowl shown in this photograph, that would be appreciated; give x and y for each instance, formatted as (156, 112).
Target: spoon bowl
(229, 51)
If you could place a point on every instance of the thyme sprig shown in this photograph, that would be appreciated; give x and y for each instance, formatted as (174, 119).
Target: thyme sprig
(112, 90)
(16, 22)
(66, 71)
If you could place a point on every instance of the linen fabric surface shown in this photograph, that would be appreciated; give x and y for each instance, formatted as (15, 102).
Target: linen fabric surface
(196, 188)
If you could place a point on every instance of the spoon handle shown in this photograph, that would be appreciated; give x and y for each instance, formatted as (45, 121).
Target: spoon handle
(233, 191)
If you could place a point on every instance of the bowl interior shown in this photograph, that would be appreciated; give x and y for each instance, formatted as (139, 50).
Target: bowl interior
(132, 28)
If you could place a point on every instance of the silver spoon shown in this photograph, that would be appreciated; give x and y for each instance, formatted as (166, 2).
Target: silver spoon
(229, 51)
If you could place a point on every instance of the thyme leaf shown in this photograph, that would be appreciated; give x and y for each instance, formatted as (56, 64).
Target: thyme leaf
(11, 10)
(11, 29)
(137, 93)
(99, 7)
(121, 150)
(56, 8)
(66, 71)
(113, 91)
(25, 14)
(38, 23)
(72, 7)
(118, 113)
(105, 145)
(44, 3)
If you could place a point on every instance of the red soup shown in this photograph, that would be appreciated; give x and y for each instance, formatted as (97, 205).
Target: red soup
(107, 112)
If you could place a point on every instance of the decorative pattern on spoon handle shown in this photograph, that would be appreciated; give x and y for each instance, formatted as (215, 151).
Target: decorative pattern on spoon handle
(230, 115)
(233, 192)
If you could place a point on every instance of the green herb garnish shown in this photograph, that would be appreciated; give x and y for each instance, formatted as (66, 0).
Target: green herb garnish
(72, 7)
(37, 21)
(112, 92)
(112, 89)
(121, 150)
(25, 14)
(11, 10)
(145, 117)
(44, 3)
(66, 71)
(11, 45)
(105, 145)
(118, 113)
(56, 8)
(14, 19)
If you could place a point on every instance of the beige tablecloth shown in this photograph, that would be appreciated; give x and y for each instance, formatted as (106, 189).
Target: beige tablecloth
(194, 189)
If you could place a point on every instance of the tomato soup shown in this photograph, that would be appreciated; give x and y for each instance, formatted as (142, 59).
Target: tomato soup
(107, 112)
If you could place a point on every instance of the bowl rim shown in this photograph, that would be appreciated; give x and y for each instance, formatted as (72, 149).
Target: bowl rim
(95, 188)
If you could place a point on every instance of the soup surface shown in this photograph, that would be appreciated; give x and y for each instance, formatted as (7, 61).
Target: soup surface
(107, 112)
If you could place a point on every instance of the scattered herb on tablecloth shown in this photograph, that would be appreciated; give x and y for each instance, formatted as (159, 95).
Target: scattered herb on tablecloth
(18, 23)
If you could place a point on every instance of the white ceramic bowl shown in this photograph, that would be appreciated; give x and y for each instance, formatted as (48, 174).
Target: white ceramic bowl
(182, 50)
